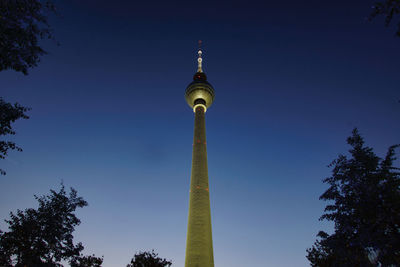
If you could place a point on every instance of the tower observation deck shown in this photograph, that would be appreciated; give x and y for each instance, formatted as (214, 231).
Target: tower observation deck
(199, 249)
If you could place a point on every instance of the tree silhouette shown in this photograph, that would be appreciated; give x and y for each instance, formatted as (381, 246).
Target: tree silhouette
(364, 204)
(8, 114)
(389, 9)
(86, 261)
(22, 24)
(43, 236)
(148, 259)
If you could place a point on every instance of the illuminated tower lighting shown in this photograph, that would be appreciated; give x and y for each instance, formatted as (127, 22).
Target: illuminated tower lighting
(199, 249)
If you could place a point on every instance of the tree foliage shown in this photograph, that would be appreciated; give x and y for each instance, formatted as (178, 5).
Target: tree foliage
(22, 24)
(364, 204)
(8, 114)
(86, 261)
(43, 236)
(388, 9)
(148, 259)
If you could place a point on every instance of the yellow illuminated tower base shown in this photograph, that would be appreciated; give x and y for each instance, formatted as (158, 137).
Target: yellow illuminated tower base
(199, 247)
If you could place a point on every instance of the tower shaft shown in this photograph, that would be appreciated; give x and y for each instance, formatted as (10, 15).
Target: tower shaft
(199, 248)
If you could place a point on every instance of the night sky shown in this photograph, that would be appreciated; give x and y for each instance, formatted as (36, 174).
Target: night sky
(292, 79)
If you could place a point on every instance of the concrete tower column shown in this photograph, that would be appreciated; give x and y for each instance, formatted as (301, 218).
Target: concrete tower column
(199, 248)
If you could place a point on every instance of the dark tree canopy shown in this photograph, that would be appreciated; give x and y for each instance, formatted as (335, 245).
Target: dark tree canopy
(22, 24)
(364, 204)
(389, 9)
(148, 259)
(43, 236)
(86, 261)
(8, 114)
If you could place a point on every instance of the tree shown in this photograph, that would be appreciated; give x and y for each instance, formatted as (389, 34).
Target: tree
(364, 204)
(43, 236)
(22, 24)
(8, 114)
(86, 261)
(388, 9)
(148, 259)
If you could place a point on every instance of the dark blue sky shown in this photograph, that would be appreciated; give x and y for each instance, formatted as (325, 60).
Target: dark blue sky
(292, 79)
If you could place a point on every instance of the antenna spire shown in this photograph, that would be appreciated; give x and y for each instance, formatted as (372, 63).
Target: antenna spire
(199, 60)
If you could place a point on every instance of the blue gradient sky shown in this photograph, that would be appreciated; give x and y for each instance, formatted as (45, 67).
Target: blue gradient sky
(292, 79)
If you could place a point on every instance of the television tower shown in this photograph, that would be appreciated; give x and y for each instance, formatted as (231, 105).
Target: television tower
(199, 249)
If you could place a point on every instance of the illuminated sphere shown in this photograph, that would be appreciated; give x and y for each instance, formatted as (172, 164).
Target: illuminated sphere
(199, 91)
